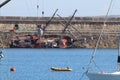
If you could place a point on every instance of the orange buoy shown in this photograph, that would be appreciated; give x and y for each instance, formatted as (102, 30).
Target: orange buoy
(12, 69)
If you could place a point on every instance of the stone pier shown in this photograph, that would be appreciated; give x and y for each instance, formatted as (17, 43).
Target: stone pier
(80, 28)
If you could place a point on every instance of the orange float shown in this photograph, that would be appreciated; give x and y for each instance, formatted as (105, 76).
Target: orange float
(12, 69)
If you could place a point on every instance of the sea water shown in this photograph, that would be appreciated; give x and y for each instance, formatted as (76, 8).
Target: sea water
(35, 64)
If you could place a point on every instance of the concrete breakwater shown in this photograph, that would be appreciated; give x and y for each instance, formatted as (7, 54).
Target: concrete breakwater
(84, 31)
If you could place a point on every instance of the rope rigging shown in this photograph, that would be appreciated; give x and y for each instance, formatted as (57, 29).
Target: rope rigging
(102, 30)
(97, 43)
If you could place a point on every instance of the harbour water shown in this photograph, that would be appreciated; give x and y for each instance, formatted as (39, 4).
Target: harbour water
(35, 64)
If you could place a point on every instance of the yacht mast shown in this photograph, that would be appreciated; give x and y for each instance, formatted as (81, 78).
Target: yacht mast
(118, 52)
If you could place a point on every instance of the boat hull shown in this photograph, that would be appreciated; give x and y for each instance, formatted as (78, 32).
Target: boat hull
(103, 76)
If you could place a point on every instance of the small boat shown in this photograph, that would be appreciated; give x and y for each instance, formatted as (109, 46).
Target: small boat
(61, 69)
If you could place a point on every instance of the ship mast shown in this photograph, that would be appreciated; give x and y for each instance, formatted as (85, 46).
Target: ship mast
(3, 3)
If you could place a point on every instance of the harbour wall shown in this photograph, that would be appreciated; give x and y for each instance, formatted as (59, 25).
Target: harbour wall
(85, 30)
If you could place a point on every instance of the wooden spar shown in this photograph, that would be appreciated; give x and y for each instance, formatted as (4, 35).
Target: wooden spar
(48, 22)
(68, 30)
(68, 23)
(3, 3)
(64, 26)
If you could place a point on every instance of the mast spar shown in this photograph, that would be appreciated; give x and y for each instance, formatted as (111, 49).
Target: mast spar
(3, 3)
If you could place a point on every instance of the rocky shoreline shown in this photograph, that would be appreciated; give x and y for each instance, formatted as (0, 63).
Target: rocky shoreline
(107, 41)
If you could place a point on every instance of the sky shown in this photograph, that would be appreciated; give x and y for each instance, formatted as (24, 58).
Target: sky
(65, 8)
